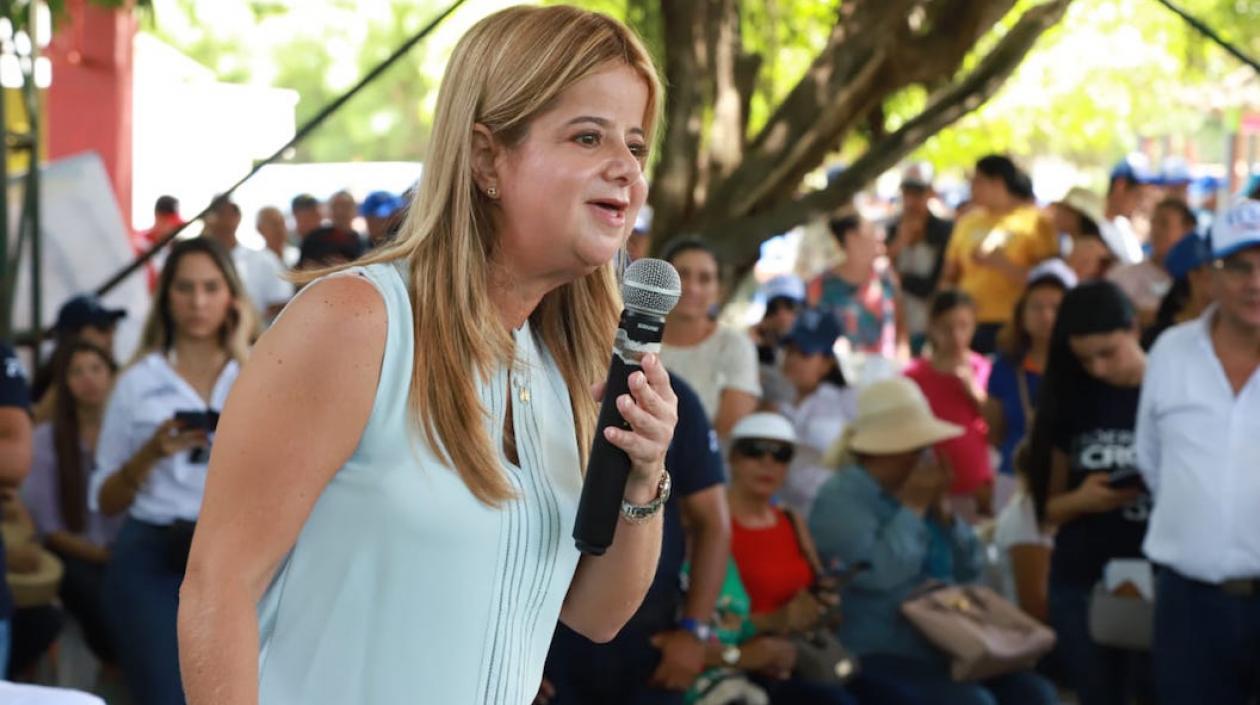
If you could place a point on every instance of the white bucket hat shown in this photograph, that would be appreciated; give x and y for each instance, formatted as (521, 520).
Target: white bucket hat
(893, 417)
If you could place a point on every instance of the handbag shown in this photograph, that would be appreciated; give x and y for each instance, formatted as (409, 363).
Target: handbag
(820, 657)
(1123, 618)
(982, 634)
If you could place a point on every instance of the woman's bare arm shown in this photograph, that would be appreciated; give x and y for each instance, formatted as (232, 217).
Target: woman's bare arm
(293, 418)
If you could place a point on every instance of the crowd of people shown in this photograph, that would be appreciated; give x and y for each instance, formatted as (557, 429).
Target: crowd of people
(1072, 386)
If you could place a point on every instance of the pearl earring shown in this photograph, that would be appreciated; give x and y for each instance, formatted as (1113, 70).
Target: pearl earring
(492, 192)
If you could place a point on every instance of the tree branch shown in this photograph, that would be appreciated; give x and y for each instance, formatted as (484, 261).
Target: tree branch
(740, 238)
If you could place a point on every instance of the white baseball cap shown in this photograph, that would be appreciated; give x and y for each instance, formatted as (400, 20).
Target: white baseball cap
(767, 425)
(1237, 229)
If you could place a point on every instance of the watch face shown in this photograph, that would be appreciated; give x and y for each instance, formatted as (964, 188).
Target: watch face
(730, 655)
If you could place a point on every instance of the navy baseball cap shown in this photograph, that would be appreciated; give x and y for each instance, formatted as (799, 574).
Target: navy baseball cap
(1190, 253)
(380, 204)
(815, 332)
(86, 310)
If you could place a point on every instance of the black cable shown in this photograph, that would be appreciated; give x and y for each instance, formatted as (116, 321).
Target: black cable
(1202, 28)
(297, 137)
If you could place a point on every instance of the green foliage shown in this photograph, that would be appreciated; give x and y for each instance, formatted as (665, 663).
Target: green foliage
(1111, 74)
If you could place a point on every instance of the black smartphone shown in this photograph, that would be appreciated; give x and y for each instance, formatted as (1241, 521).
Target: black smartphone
(1129, 481)
(206, 420)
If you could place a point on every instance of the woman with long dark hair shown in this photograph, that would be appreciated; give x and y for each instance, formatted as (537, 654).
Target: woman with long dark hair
(56, 491)
(1083, 474)
(151, 458)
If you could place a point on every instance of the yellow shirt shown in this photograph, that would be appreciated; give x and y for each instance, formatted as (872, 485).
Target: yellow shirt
(1024, 235)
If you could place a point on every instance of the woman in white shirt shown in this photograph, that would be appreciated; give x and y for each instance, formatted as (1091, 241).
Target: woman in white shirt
(719, 363)
(823, 406)
(151, 464)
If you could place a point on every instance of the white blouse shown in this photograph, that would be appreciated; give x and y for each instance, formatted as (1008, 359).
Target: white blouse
(145, 396)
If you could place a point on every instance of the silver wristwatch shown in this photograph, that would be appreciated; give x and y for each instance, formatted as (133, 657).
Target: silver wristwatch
(640, 513)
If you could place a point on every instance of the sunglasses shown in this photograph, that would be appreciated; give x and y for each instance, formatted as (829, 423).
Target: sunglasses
(757, 448)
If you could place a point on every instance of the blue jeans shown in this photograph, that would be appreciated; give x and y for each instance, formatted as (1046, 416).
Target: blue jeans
(1207, 643)
(931, 684)
(6, 636)
(1099, 675)
(142, 591)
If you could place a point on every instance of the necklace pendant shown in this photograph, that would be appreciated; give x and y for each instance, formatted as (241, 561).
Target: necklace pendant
(523, 394)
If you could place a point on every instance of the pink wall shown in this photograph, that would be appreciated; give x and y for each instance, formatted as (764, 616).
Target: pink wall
(89, 102)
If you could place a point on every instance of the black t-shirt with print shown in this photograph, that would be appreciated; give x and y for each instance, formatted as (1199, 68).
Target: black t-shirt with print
(14, 393)
(1097, 436)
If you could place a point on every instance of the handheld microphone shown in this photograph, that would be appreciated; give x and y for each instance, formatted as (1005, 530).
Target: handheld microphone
(650, 289)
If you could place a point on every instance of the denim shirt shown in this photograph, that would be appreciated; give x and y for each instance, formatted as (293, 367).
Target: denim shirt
(854, 520)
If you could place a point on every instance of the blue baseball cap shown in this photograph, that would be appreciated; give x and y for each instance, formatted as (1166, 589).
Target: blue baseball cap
(1136, 168)
(1190, 253)
(380, 204)
(815, 332)
(1174, 171)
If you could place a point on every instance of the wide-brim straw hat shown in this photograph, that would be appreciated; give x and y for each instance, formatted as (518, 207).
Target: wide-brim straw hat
(893, 417)
(37, 587)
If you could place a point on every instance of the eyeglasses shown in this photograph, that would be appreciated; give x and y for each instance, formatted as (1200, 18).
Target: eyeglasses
(758, 448)
(1236, 267)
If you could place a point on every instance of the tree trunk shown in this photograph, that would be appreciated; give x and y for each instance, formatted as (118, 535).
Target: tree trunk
(674, 180)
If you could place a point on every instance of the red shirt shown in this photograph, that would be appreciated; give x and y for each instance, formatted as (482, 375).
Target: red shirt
(770, 563)
(968, 454)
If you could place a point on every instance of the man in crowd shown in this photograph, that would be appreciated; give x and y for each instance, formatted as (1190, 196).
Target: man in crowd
(1127, 189)
(916, 246)
(15, 462)
(1198, 441)
(380, 211)
(270, 224)
(659, 653)
(261, 273)
(307, 215)
(166, 219)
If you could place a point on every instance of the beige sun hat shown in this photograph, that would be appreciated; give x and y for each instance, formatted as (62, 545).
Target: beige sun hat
(1093, 206)
(893, 417)
(38, 585)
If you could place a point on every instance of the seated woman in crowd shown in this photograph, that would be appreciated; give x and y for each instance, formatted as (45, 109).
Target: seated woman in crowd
(862, 292)
(719, 363)
(886, 506)
(56, 491)
(151, 464)
(1083, 475)
(787, 588)
(1016, 374)
(821, 405)
(954, 379)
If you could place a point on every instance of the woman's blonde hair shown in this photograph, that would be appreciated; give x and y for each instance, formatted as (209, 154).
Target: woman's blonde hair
(509, 68)
(159, 328)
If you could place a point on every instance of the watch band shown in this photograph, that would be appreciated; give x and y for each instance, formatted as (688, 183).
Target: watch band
(700, 630)
(640, 513)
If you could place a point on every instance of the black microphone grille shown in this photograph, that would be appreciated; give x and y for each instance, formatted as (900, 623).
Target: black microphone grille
(651, 286)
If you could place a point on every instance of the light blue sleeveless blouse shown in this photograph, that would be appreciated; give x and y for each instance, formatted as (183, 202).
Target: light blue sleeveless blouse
(402, 587)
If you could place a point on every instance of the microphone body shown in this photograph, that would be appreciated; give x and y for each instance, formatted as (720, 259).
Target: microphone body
(608, 467)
